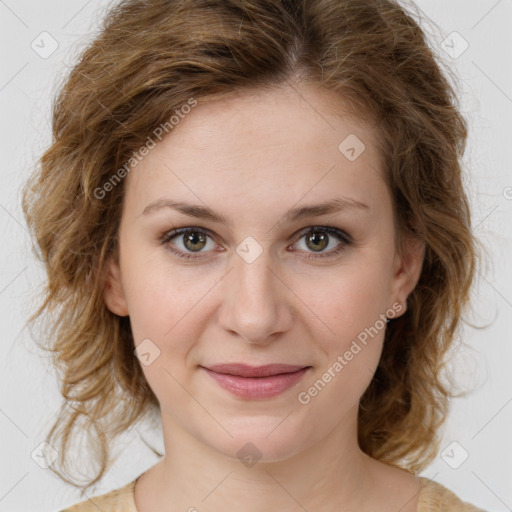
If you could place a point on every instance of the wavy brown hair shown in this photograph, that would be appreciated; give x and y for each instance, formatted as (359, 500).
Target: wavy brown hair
(149, 59)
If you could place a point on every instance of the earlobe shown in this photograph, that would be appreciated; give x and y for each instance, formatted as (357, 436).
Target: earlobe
(113, 293)
(408, 268)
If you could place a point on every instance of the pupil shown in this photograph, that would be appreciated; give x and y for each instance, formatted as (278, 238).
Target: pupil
(321, 239)
(193, 239)
(316, 241)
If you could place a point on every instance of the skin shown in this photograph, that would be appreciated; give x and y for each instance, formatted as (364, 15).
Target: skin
(252, 158)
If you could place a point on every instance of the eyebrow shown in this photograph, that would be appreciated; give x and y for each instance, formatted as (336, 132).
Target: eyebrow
(295, 214)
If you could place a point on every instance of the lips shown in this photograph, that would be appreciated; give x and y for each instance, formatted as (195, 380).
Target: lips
(256, 382)
(244, 370)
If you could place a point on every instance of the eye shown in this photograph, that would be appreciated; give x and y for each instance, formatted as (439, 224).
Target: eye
(192, 241)
(189, 241)
(318, 238)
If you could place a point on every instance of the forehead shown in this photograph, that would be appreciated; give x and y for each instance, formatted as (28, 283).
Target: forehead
(286, 142)
(284, 115)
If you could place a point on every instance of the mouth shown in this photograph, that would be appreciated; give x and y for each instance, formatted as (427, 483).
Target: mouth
(256, 382)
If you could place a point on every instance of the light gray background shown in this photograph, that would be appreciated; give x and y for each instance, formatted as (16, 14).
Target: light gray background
(479, 423)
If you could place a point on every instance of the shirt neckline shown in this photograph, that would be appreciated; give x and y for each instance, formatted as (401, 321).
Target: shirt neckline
(423, 494)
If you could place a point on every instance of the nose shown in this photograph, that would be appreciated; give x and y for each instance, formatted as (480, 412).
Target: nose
(256, 302)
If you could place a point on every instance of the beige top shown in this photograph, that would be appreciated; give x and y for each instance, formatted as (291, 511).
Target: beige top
(433, 498)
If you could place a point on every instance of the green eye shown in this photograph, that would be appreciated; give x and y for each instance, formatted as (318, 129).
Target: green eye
(191, 242)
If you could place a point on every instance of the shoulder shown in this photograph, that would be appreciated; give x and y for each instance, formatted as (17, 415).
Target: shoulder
(436, 498)
(433, 498)
(118, 500)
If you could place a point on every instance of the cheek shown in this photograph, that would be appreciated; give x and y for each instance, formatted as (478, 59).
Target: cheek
(167, 305)
(348, 300)
(350, 333)
(158, 293)
(164, 309)
(350, 353)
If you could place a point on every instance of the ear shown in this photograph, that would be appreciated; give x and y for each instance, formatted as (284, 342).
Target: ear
(113, 293)
(407, 268)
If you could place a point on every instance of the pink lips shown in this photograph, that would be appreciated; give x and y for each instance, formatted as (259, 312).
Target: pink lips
(258, 382)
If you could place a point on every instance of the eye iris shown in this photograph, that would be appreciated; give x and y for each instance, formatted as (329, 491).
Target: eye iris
(192, 239)
(317, 237)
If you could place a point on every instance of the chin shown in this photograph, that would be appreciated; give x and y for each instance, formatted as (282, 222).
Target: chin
(260, 440)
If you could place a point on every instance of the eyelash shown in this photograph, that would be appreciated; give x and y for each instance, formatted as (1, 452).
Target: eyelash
(343, 237)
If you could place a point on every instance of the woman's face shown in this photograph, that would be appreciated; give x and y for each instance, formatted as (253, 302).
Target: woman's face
(262, 277)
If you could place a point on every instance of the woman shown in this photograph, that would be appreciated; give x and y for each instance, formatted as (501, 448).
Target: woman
(253, 221)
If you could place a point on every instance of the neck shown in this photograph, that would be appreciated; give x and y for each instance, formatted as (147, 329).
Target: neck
(331, 474)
